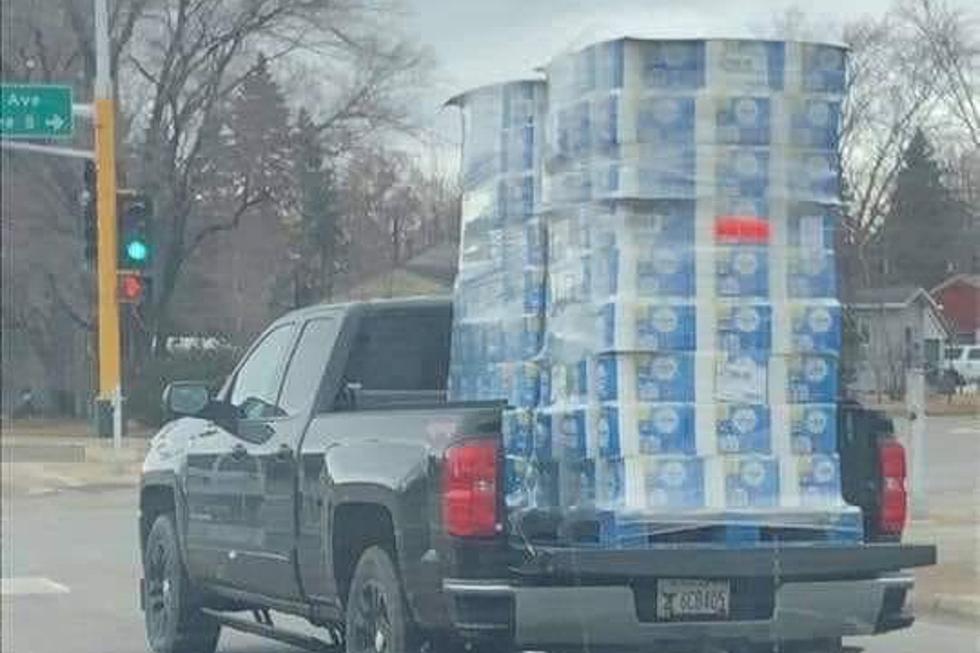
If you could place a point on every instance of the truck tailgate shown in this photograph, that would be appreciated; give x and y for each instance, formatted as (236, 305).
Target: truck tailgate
(786, 562)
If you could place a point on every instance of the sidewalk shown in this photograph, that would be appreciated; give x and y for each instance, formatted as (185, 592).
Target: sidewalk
(45, 456)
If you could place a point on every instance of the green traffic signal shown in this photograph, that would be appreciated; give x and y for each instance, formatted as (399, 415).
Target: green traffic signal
(137, 251)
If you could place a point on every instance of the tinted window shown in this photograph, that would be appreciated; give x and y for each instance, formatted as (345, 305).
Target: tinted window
(307, 364)
(401, 350)
(974, 355)
(257, 382)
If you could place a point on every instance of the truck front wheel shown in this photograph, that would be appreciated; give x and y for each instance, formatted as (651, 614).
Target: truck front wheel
(377, 619)
(174, 624)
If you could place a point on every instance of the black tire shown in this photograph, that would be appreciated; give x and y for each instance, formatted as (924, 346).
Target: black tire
(174, 622)
(377, 617)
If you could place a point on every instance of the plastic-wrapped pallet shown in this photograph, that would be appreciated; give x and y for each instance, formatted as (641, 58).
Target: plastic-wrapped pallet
(690, 197)
(499, 293)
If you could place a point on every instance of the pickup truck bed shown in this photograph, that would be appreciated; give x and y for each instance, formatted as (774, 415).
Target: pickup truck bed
(330, 464)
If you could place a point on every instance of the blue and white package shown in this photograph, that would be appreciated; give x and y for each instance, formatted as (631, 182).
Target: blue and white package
(517, 196)
(632, 271)
(673, 65)
(569, 283)
(533, 288)
(518, 432)
(812, 273)
(519, 337)
(660, 173)
(743, 121)
(823, 68)
(610, 477)
(817, 480)
(520, 383)
(742, 271)
(647, 326)
(544, 441)
(743, 428)
(813, 428)
(569, 382)
(746, 65)
(813, 122)
(811, 226)
(577, 482)
(811, 378)
(815, 327)
(644, 377)
(749, 481)
(744, 325)
(742, 172)
(666, 122)
(517, 481)
(651, 223)
(645, 429)
(665, 483)
(741, 377)
(570, 428)
(813, 176)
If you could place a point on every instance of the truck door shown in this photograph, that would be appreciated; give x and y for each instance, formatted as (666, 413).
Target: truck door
(223, 476)
(267, 565)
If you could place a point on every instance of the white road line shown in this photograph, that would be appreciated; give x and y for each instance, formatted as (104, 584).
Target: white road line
(965, 430)
(31, 585)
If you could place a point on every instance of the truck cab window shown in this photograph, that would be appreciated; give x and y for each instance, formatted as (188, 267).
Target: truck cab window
(307, 364)
(256, 385)
(401, 351)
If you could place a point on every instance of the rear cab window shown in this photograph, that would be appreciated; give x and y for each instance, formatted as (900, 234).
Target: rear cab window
(398, 356)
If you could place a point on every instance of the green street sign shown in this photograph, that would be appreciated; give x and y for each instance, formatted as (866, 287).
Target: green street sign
(35, 111)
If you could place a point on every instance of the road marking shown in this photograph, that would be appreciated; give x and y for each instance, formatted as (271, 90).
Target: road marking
(31, 585)
(965, 430)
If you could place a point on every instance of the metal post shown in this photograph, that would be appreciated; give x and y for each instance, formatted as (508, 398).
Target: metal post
(110, 372)
(915, 402)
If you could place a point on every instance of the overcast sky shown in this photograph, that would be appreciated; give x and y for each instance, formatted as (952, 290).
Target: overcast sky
(479, 42)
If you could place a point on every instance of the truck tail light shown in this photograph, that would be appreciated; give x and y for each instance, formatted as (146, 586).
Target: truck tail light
(469, 489)
(894, 498)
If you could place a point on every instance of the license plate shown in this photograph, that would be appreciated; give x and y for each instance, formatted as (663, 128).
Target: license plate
(681, 598)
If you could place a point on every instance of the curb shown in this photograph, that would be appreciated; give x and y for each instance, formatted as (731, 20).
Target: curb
(957, 605)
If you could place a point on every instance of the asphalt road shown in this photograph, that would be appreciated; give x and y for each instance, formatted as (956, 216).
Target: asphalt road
(71, 567)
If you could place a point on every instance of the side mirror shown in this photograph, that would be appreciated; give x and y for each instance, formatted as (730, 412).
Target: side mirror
(347, 397)
(186, 398)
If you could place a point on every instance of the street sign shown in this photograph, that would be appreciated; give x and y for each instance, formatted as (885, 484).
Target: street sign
(35, 111)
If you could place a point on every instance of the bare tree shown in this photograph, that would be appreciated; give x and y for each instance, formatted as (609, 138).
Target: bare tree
(892, 91)
(952, 44)
(191, 57)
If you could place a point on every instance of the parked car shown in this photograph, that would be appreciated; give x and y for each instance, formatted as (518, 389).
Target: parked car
(964, 360)
(331, 479)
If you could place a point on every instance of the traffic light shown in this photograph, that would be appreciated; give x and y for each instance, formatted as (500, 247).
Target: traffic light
(133, 287)
(90, 220)
(135, 247)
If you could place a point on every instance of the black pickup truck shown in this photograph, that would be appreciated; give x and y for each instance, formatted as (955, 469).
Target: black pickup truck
(330, 479)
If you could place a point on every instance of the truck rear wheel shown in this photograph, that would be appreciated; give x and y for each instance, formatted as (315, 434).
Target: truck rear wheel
(377, 618)
(174, 624)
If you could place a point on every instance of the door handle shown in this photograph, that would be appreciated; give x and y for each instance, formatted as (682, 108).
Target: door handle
(238, 451)
(284, 453)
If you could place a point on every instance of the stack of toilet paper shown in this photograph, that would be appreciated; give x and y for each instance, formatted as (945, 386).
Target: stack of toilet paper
(499, 298)
(692, 338)
(651, 283)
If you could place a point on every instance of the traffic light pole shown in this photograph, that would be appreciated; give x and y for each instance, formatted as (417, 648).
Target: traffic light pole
(110, 367)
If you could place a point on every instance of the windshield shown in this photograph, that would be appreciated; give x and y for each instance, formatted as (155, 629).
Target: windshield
(404, 326)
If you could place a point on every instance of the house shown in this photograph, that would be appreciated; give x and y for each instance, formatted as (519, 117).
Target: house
(896, 328)
(959, 299)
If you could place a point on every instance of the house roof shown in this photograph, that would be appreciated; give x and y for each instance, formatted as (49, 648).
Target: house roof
(968, 279)
(885, 297)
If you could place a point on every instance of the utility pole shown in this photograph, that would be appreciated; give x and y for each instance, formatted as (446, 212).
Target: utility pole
(110, 367)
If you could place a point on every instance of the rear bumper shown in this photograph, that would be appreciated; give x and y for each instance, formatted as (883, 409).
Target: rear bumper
(607, 615)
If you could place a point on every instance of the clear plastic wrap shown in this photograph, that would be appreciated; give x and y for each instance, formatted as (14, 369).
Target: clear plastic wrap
(687, 192)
